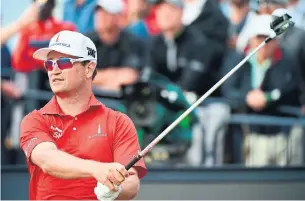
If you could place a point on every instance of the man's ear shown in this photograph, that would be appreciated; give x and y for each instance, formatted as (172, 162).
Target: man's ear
(90, 70)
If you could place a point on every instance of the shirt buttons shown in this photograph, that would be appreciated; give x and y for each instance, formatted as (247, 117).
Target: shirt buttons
(75, 118)
(74, 128)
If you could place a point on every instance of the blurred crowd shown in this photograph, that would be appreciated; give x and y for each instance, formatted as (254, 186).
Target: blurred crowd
(187, 44)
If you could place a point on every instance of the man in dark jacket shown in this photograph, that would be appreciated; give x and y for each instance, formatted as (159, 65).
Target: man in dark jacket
(210, 19)
(120, 54)
(207, 16)
(184, 55)
(268, 80)
(293, 41)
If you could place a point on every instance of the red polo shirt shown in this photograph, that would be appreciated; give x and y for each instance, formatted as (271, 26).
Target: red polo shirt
(99, 134)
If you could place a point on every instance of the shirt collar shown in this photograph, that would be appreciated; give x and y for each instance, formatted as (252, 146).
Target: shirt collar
(52, 107)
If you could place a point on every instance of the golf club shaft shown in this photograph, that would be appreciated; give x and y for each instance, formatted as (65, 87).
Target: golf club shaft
(193, 106)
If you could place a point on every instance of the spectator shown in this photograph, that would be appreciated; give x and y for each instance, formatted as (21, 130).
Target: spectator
(80, 13)
(9, 91)
(293, 41)
(207, 16)
(150, 19)
(177, 53)
(136, 12)
(120, 54)
(36, 35)
(297, 10)
(269, 79)
(240, 16)
(30, 72)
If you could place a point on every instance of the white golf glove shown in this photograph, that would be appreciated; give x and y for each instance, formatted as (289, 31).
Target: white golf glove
(103, 193)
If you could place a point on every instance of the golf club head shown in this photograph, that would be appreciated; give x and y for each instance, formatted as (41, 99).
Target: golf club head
(281, 21)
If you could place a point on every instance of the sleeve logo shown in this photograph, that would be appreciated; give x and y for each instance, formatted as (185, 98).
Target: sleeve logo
(29, 145)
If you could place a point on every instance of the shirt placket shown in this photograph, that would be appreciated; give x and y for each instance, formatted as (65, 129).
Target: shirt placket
(73, 138)
(74, 125)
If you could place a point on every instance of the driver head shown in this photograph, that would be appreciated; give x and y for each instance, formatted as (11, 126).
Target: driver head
(281, 21)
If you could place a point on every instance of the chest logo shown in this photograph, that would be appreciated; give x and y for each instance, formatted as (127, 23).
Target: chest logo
(57, 133)
(99, 133)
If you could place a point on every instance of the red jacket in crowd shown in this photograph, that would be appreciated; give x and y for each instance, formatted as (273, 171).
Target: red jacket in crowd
(33, 37)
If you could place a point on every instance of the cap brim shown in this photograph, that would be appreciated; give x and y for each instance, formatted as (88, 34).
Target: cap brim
(41, 54)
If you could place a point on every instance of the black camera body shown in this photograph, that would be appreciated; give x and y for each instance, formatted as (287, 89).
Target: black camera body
(141, 99)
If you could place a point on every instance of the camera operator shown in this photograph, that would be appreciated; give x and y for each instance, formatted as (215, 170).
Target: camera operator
(120, 54)
(185, 57)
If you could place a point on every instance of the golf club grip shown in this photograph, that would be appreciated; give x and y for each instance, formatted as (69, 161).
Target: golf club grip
(132, 162)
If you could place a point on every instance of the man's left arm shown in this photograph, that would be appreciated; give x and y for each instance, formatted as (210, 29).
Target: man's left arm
(126, 147)
(130, 187)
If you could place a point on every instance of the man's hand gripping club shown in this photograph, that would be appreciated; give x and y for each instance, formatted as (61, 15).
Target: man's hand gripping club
(109, 184)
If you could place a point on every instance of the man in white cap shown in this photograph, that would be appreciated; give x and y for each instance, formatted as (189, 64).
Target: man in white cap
(270, 79)
(121, 55)
(293, 41)
(76, 147)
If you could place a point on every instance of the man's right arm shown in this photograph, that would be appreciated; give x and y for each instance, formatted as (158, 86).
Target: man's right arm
(60, 164)
(40, 149)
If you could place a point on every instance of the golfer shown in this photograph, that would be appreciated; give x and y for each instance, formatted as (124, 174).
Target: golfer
(76, 147)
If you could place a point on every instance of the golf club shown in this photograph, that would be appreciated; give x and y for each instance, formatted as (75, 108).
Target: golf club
(280, 23)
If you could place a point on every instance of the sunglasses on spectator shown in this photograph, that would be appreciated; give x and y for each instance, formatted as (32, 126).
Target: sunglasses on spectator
(62, 63)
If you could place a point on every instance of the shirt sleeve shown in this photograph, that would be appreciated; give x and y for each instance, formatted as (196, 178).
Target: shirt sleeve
(33, 131)
(126, 144)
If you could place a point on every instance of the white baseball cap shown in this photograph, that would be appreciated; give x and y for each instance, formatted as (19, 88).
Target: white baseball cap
(71, 43)
(261, 25)
(111, 6)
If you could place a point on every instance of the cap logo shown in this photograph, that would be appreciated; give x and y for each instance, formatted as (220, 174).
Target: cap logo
(60, 44)
(57, 43)
(57, 39)
(91, 52)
